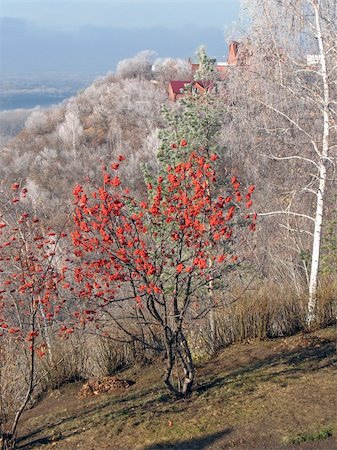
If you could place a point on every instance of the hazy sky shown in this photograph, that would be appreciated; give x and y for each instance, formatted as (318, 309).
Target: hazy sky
(91, 36)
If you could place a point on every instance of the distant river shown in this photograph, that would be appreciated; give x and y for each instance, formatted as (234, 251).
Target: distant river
(26, 100)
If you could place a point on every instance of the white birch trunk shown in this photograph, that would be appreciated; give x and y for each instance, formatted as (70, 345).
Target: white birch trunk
(316, 248)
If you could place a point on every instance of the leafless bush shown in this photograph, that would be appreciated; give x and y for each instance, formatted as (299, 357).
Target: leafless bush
(84, 355)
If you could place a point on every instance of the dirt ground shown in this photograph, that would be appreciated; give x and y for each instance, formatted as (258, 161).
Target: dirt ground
(276, 394)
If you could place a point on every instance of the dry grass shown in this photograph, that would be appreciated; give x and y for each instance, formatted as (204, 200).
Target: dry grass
(13, 373)
(248, 395)
(270, 311)
(264, 313)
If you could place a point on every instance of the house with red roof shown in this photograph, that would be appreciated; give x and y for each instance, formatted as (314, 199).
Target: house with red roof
(177, 88)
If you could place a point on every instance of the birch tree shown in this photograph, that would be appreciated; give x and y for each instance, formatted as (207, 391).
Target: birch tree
(293, 70)
(321, 25)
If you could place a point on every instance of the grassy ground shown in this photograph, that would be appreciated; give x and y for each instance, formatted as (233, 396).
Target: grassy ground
(259, 395)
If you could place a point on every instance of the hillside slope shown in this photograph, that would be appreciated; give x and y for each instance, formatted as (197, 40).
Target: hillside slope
(259, 395)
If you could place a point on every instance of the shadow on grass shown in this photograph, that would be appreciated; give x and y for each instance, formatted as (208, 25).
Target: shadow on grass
(197, 443)
(303, 360)
(155, 401)
(108, 410)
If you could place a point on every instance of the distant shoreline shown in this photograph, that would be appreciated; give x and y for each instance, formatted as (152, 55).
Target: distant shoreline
(45, 90)
(9, 102)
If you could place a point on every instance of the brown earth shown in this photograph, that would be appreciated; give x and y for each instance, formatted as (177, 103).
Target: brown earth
(258, 395)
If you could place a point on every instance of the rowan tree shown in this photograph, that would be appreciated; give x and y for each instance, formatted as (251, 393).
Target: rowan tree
(197, 120)
(143, 265)
(30, 279)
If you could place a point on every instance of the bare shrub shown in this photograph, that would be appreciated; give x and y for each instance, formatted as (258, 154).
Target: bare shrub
(83, 356)
(107, 356)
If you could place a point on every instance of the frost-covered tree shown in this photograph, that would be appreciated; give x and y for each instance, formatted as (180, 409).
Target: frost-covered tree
(139, 66)
(166, 69)
(71, 130)
(37, 122)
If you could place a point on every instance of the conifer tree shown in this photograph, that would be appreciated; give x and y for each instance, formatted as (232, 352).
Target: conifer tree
(194, 125)
(206, 69)
(197, 120)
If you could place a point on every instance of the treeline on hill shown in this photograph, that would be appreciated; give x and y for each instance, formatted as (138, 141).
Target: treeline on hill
(11, 123)
(219, 207)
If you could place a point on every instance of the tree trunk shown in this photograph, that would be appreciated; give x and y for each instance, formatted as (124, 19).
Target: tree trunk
(211, 312)
(316, 248)
(9, 438)
(178, 352)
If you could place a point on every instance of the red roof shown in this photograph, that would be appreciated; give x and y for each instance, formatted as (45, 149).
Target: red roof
(178, 87)
(204, 84)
